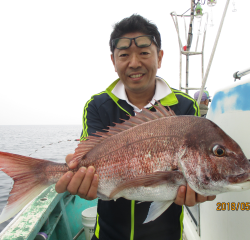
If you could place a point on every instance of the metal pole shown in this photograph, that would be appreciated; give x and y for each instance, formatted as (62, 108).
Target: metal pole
(212, 54)
(187, 67)
(174, 17)
(189, 41)
(203, 45)
(190, 34)
(180, 70)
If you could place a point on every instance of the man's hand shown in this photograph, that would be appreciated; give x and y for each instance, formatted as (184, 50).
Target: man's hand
(83, 183)
(187, 196)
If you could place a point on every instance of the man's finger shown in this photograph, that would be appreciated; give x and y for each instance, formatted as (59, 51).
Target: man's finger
(86, 183)
(201, 198)
(92, 193)
(190, 197)
(180, 198)
(61, 185)
(211, 198)
(69, 157)
(72, 164)
(76, 181)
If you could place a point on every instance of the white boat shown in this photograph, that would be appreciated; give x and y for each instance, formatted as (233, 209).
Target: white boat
(227, 217)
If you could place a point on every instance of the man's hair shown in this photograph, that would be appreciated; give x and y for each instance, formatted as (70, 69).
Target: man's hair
(135, 23)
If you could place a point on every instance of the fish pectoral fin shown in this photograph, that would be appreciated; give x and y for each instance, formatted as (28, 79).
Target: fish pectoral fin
(156, 209)
(149, 180)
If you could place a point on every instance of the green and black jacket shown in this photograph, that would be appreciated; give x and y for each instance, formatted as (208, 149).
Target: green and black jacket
(122, 219)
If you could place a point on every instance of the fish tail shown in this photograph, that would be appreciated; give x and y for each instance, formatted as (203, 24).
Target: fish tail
(30, 176)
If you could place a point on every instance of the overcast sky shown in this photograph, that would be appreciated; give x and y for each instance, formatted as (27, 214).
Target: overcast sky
(54, 55)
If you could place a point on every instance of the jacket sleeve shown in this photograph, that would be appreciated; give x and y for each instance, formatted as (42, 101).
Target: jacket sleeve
(186, 104)
(193, 109)
(91, 120)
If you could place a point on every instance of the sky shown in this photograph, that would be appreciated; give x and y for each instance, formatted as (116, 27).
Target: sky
(54, 55)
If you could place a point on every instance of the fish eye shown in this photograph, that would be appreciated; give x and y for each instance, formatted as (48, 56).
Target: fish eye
(218, 151)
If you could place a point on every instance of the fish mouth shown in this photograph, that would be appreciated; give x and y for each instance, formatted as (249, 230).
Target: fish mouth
(238, 187)
(239, 182)
(241, 178)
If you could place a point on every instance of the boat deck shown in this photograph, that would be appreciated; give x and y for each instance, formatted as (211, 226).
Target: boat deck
(57, 215)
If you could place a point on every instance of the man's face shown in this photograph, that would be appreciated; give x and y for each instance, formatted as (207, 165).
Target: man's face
(137, 67)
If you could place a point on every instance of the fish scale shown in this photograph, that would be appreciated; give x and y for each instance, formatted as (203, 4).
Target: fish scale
(145, 158)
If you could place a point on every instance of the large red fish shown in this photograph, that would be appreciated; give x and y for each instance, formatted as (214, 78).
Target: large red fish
(145, 158)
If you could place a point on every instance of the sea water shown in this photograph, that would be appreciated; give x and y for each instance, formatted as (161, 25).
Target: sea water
(49, 142)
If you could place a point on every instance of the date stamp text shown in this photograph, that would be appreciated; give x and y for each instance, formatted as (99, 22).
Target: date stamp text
(233, 206)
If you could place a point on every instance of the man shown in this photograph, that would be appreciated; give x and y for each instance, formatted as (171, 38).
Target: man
(135, 44)
(204, 102)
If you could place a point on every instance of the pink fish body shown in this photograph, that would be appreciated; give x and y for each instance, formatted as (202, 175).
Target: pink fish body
(146, 158)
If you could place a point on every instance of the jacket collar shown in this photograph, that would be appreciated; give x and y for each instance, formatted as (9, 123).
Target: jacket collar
(163, 93)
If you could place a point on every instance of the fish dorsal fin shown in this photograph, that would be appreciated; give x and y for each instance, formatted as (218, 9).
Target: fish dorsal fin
(141, 117)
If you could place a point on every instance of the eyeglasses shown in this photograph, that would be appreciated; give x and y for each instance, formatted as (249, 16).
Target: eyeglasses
(140, 41)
